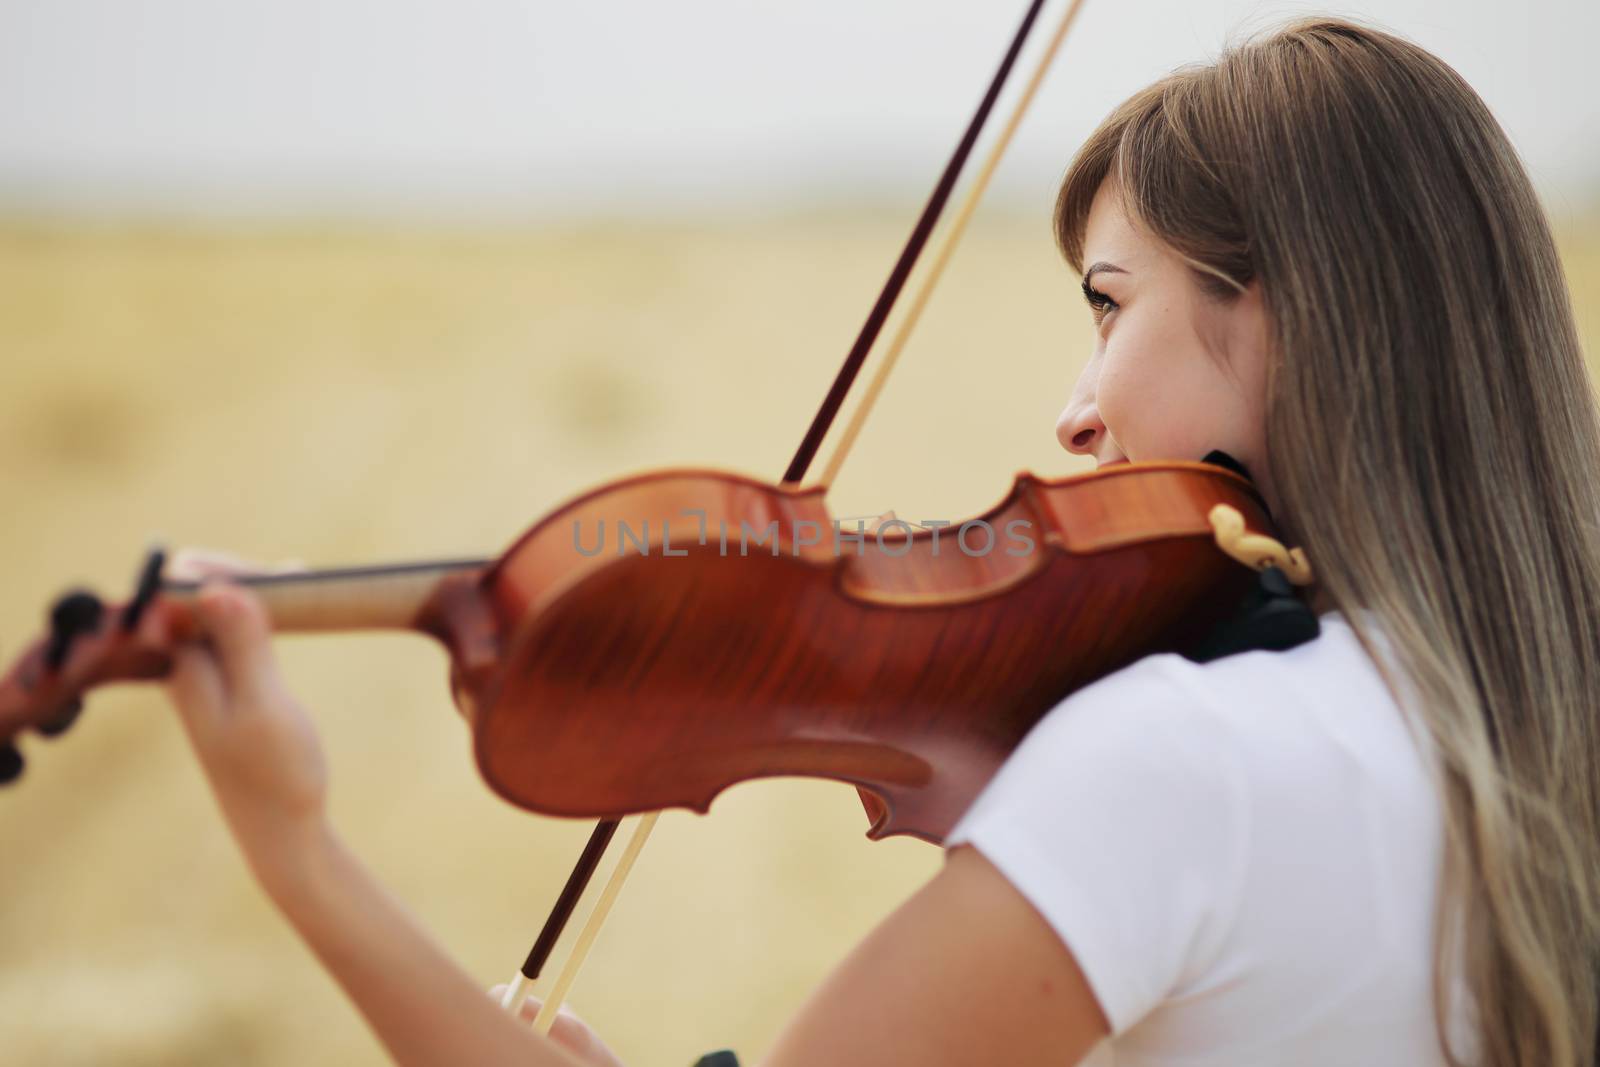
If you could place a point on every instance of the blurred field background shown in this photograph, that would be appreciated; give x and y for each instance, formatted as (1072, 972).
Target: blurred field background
(349, 396)
(346, 386)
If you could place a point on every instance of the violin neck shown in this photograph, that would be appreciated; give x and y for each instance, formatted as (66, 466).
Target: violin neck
(390, 597)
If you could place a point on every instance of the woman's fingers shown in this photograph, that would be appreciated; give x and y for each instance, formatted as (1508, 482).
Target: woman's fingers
(239, 629)
(197, 564)
(196, 687)
(498, 994)
(193, 564)
(568, 1030)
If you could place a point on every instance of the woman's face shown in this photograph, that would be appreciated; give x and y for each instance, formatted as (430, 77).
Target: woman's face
(1176, 372)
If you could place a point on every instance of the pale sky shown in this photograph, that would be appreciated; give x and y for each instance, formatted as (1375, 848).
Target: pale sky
(553, 108)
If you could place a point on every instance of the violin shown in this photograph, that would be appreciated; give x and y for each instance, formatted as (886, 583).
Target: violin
(758, 637)
(731, 628)
(601, 684)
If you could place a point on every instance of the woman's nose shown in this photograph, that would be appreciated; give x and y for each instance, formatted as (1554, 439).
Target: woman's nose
(1080, 430)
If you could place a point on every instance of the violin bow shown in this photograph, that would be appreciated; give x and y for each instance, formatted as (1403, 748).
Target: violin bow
(584, 870)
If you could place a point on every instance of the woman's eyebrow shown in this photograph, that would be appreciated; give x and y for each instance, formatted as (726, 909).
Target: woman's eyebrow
(1101, 267)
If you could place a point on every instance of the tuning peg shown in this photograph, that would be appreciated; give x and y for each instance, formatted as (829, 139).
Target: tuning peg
(145, 587)
(10, 763)
(62, 720)
(75, 613)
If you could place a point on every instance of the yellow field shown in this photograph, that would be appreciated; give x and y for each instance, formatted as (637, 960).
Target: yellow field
(357, 396)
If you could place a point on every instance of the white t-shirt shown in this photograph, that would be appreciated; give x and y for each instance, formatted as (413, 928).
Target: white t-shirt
(1242, 856)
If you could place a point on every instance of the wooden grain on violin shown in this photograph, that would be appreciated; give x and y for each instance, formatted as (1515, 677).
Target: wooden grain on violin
(634, 682)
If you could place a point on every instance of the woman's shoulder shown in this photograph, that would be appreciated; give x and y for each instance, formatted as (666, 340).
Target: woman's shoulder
(1334, 660)
(1328, 690)
(1173, 818)
(1236, 763)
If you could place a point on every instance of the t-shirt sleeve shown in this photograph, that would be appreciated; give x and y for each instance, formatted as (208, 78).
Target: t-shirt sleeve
(1122, 818)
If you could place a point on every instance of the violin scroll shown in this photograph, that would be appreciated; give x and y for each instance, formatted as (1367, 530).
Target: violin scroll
(88, 643)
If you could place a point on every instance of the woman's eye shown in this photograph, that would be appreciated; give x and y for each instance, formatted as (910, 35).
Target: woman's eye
(1101, 304)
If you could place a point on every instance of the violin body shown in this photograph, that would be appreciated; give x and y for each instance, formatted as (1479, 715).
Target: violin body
(660, 670)
(609, 682)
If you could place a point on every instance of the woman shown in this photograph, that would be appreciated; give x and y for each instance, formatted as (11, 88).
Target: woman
(1320, 255)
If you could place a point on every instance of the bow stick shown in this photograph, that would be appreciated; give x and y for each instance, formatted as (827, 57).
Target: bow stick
(517, 991)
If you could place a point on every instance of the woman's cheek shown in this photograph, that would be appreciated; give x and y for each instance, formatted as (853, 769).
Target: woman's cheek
(1117, 398)
(1153, 412)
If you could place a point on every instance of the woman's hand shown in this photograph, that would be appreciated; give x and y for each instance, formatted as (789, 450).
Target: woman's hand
(255, 742)
(568, 1031)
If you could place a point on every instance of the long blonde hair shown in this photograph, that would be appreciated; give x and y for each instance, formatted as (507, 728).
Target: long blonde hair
(1434, 440)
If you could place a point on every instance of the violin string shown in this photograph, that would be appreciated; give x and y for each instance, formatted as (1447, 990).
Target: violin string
(823, 420)
(325, 574)
(958, 225)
